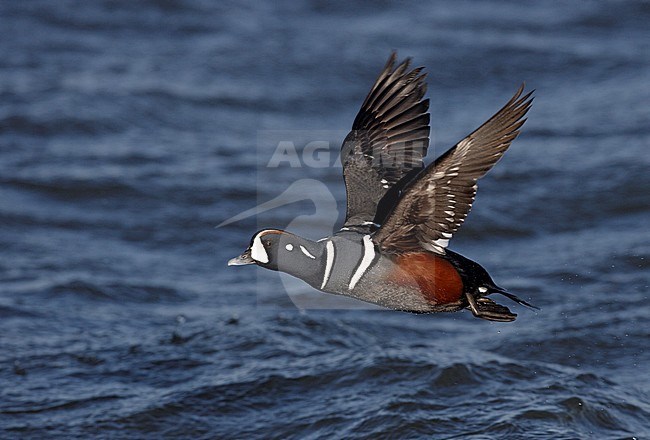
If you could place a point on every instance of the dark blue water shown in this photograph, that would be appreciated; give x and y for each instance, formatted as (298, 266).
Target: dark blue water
(128, 130)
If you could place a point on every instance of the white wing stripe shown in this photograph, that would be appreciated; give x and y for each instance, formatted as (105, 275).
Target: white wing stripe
(441, 242)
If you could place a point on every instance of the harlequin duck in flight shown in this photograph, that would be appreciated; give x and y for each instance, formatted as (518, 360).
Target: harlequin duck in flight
(392, 249)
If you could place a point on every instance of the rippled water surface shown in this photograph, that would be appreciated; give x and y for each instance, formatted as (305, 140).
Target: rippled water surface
(128, 130)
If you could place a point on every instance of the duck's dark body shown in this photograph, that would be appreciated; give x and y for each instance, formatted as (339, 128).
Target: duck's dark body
(392, 249)
(416, 282)
(420, 283)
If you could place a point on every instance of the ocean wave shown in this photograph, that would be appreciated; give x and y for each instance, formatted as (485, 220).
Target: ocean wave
(115, 292)
(65, 188)
(67, 126)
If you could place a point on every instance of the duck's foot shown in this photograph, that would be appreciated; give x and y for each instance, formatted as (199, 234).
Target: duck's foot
(485, 308)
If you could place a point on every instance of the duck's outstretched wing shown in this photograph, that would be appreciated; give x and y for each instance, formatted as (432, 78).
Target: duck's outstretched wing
(435, 204)
(389, 138)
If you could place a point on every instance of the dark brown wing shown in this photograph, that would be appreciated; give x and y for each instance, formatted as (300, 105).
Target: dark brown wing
(389, 138)
(435, 205)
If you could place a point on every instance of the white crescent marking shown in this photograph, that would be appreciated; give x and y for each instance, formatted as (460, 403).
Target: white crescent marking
(306, 252)
(368, 256)
(329, 247)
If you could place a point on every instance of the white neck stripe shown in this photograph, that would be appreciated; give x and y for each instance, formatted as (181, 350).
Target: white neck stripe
(329, 248)
(368, 256)
(306, 252)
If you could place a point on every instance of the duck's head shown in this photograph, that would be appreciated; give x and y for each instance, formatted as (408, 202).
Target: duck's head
(278, 250)
(263, 249)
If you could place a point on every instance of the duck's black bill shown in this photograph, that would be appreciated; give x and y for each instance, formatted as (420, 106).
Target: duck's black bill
(242, 260)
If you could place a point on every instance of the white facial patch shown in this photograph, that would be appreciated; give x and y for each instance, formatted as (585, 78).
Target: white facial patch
(289, 247)
(258, 253)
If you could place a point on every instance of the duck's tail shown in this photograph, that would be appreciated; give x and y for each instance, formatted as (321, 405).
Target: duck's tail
(485, 308)
(513, 297)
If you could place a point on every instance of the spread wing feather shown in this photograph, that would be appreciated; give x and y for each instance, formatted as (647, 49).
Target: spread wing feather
(435, 204)
(389, 138)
